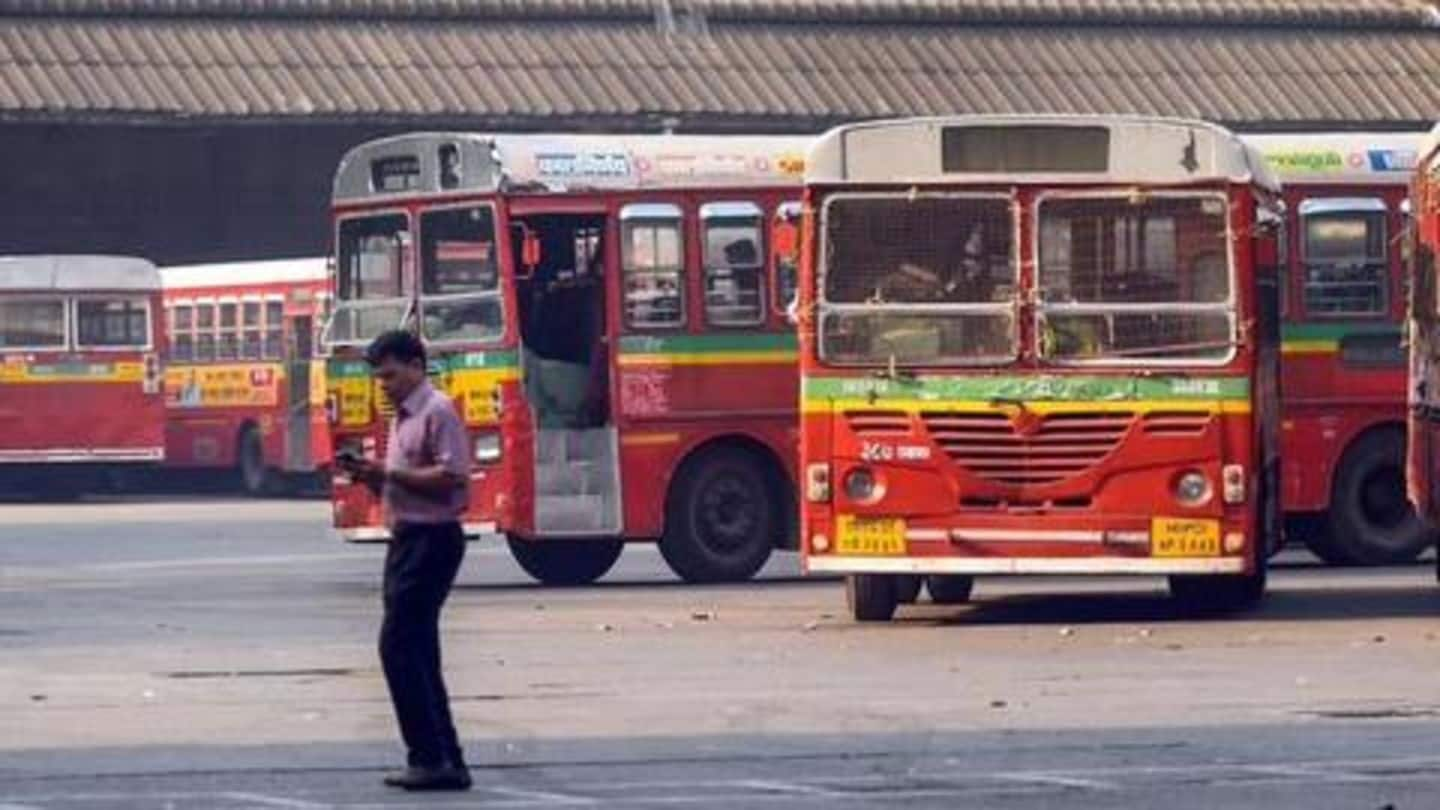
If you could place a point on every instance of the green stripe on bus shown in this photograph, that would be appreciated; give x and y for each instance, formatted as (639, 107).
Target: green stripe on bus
(701, 344)
(1335, 331)
(1030, 388)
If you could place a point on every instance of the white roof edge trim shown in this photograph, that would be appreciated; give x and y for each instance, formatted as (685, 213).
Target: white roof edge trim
(826, 160)
(77, 273)
(235, 274)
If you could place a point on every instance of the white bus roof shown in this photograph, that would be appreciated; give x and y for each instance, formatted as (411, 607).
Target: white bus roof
(410, 165)
(1034, 148)
(1361, 158)
(237, 274)
(77, 274)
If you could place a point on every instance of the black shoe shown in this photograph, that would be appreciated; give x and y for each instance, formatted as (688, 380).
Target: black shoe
(444, 777)
(398, 778)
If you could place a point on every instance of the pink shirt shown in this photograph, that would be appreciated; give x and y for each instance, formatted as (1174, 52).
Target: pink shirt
(426, 432)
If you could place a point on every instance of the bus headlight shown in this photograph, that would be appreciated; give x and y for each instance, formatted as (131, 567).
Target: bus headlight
(487, 448)
(860, 485)
(817, 483)
(1193, 488)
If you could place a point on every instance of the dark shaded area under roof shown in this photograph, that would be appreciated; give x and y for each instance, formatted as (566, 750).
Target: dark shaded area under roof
(792, 65)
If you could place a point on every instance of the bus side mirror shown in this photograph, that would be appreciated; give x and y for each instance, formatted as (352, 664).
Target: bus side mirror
(530, 253)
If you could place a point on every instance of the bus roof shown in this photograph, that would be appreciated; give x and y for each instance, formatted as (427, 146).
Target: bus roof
(1341, 157)
(1034, 148)
(77, 274)
(237, 274)
(411, 165)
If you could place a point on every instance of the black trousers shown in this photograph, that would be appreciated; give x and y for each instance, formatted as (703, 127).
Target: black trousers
(420, 568)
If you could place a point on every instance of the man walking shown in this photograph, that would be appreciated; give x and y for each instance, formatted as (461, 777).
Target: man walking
(423, 484)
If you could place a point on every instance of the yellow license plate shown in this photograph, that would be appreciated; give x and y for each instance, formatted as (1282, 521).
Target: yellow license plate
(1184, 537)
(873, 537)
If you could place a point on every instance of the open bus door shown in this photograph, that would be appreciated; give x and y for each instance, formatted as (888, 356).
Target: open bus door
(564, 366)
(300, 350)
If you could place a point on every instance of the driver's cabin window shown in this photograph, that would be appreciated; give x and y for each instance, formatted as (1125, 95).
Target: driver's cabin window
(653, 258)
(1343, 247)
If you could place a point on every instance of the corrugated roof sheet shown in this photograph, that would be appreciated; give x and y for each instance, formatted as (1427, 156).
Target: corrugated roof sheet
(505, 63)
(1210, 12)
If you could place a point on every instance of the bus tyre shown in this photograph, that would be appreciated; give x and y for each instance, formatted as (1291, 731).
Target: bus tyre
(871, 597)
(907, 588)
(721, 519)
(250, 462)
(949, 589)
(566, 563)
(1371, 522)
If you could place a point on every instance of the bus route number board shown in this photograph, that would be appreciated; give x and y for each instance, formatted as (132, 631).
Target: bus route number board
(869, 537)
(1184, 537)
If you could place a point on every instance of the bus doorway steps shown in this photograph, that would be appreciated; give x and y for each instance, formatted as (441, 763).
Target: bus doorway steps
(577, 482)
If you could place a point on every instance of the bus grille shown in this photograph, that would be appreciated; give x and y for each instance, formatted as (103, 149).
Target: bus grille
(1175, 423)
(878, 423)
(1048, 449)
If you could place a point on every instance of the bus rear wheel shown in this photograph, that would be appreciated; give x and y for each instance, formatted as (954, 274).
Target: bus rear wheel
(871, 597)
(1370, 521)
(255, 477)
(721, 519)
(568, 562)
(908, 587)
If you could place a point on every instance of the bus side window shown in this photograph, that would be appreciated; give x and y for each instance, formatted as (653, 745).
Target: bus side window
(205, 332)
(274, 329)
(182, 332)
(227, 331)
(250, 348)
(1344, 246)
(734, 264)
(103, 323)
(653, 264)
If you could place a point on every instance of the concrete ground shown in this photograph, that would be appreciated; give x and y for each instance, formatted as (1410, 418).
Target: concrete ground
(220, 653)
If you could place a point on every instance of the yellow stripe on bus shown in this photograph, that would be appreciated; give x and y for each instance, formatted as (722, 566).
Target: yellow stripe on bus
(649, 439)
(1309, 347)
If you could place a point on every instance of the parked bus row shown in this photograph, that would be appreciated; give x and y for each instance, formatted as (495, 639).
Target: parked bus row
(112, 371)
(608, 313)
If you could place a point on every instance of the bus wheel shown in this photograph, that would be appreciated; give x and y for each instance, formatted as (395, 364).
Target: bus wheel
(871, 597)
(721, 519)
(566, 563)
(949, 589)
(907, 588)
(1371, 521)
(250, 455)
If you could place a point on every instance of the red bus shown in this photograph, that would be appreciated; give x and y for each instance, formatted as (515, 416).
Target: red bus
(1039, 345)
(80, 373)
(244, 388)
(1423, 463)
(608, 313)
(1343, 365)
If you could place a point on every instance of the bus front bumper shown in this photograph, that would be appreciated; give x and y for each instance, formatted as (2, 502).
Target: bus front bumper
(1156, 566)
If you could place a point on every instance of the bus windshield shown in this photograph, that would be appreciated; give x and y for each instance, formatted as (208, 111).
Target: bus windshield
(919, 280)
(370, 278)
(32, 323)
(1135, 278)
(459, 275)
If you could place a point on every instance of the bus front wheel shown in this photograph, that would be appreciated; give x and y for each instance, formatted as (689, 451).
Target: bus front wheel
(722, 518)
(566, 563)
(949, 589)
(871, 597)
